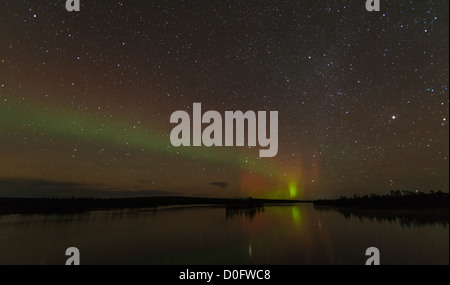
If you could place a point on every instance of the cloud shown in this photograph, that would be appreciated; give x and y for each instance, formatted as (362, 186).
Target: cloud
(222, 185)
(141, 193)
(36, 183)
(144, 181)
(18, 187)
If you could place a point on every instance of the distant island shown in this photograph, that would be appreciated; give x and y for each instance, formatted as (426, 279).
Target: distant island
(397, 199)
(77, 205)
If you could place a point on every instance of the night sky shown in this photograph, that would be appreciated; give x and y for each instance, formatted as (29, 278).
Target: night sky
(86, 97)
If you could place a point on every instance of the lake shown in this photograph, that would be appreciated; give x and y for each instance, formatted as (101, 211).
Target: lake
(275, 234)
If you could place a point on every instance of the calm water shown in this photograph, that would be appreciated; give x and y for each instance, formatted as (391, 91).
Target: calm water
(290, 234)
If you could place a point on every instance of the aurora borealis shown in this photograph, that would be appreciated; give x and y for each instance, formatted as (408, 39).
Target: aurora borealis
(86, 97)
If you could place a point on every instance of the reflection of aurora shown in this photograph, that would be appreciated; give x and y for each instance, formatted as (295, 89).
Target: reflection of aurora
(298, 224)
(296, 217)
(259, 177)
(252, 211)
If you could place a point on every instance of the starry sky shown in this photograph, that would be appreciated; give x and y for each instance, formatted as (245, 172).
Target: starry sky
(86, 97)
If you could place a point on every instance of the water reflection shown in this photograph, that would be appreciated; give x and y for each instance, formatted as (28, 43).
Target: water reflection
(406, 218)
(238, 212)
(212, 234)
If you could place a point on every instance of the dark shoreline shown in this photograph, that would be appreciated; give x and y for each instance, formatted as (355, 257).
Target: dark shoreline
(408, 201)
(79, 205)
(396, 200)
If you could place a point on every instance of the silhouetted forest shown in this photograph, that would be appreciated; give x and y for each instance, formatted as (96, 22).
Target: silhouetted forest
(76, 205)
(396, 199)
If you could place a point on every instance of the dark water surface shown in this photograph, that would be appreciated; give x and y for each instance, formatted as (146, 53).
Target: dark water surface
(286, 234)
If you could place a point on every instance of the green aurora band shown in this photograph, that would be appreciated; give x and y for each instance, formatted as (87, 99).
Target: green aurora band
(71, 124)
